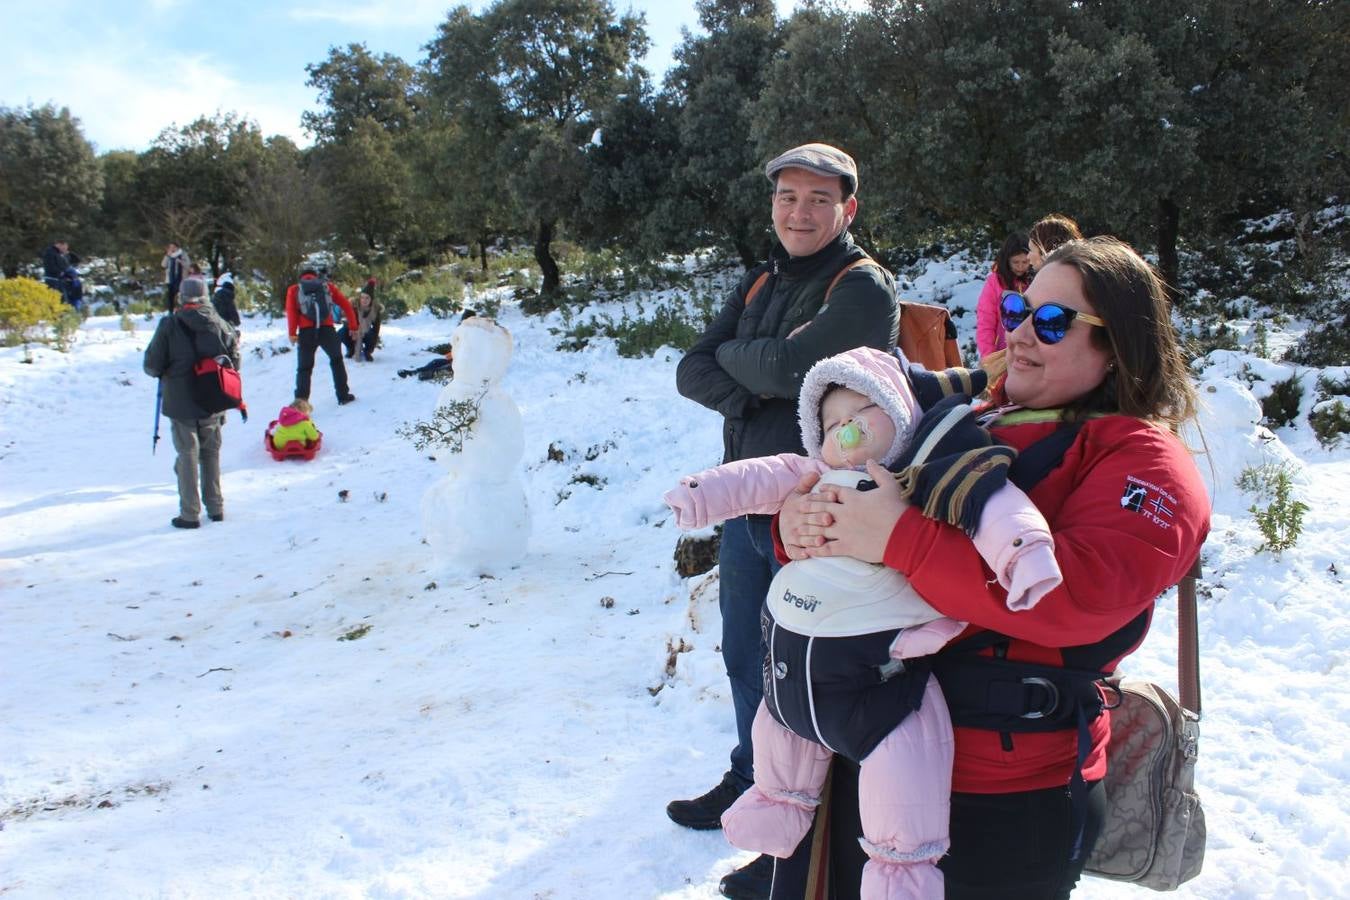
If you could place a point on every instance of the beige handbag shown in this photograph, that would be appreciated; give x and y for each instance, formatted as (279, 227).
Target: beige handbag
(1153, 834)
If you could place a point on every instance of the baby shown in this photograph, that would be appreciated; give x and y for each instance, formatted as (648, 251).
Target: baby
(294, 424)
(845, 673)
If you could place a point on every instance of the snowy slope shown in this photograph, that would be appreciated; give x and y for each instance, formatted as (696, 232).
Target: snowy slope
(181, 718)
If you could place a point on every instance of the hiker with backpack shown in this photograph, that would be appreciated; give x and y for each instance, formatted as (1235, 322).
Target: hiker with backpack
(1095, 390)
(748, 366)
(195, 331)
(309, 324)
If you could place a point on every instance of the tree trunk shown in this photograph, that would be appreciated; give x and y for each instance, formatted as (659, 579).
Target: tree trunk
(544, 237)
(482, 253)
(748, 253)
(1169, 218)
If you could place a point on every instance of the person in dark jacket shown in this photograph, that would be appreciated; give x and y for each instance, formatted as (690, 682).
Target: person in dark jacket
(311, 329)
(223, 300)
(749, 366)
(195, 331)
(175, 265)
(57, 260)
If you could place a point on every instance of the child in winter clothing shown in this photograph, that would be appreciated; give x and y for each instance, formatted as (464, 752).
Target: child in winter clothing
(294, 424)
(845, 671)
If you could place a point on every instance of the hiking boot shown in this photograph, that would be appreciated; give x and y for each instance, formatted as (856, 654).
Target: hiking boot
(180, 522)
(216, 517)
(752, 881)
(705, 813)
(345, 399)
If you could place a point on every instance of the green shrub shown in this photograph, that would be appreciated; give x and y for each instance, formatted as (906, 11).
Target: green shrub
(638, 334)
(1207, 337)
(443, 307)
(1280, 406)
(26, 306)
(1326, 345)
(1329, 422)
(1281, 521)
(641, 336)
(439, 290)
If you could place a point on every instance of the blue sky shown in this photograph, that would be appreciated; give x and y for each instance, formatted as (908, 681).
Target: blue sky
(127, 70)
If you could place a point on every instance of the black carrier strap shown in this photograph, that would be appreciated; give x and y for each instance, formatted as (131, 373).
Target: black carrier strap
(1044, 456)
(994, 693)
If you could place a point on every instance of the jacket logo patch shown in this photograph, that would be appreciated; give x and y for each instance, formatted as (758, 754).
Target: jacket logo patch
(1150, 501)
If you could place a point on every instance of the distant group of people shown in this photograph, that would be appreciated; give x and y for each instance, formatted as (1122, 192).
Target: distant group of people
(999, 793)
(194, 329)
(1017, 261)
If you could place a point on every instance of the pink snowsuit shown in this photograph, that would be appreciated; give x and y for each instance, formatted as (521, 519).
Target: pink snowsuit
(905, 780)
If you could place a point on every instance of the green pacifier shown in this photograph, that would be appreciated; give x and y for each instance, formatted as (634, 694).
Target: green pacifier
(848, 436)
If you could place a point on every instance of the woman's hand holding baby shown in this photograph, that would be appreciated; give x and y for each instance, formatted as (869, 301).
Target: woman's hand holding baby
(842, 522)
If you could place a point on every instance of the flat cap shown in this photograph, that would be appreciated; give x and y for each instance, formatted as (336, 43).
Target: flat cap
(819, 158)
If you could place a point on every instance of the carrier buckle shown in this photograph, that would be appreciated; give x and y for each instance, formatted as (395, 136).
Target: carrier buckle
(1052, 695)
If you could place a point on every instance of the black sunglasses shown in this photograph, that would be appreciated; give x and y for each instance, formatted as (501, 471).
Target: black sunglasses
(1050, 321)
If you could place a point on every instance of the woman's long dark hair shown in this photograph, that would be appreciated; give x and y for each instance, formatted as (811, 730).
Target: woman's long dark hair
(1013, 244)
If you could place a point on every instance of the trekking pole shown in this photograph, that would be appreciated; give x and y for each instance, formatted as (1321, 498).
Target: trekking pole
(159, 400)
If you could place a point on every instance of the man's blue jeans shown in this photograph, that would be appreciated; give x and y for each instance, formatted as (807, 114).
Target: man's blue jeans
(746, 566)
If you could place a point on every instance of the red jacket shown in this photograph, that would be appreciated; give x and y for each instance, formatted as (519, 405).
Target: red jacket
(1129, 514)
(295, 321)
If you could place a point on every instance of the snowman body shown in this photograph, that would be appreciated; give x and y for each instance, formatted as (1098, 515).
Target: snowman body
(476, 517)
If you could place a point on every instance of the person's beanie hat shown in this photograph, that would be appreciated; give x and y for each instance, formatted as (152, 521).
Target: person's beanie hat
(192, 290)
(819, 158)
(932, 387)
(225, 279)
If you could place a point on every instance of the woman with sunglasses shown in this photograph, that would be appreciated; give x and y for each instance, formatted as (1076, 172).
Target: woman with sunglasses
(1011, 272)
(1093, 360)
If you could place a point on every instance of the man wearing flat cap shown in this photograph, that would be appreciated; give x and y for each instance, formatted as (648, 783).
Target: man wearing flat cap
(749, 367)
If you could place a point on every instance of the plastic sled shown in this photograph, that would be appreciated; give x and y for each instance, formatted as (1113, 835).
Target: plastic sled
(293, 449)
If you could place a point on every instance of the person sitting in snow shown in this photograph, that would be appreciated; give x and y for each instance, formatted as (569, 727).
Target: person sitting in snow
(442, 367)
(847, 639)
(294, 424)
(363, 336)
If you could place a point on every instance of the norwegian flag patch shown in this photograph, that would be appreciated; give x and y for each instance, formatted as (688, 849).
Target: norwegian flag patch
(1148, 500)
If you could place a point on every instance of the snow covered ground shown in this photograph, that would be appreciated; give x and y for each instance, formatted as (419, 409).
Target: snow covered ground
(296, 702)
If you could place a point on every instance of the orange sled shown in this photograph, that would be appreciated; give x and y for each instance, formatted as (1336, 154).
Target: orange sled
(293, 449)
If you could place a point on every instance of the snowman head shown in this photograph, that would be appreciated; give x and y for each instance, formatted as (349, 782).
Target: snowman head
(481, 349)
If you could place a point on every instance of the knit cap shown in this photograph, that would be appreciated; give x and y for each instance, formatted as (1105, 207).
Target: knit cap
(192, 289)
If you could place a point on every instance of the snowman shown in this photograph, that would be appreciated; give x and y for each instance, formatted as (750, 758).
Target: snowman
(476, 518)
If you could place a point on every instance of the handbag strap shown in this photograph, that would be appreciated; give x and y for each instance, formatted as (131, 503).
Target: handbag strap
(192, 341)
(1188, 641)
